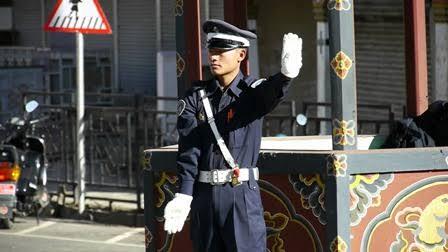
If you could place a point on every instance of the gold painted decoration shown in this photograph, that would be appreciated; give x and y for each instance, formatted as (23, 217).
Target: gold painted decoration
(179, 8)
(339, 5)
(365, 192)
(341, 64)
(423, 230)
(284, 221)
(338, 245)
(164, 178)
(337, 165)
(414, 220)
(344, 132)
(148, 237)
(276, 223)
(180, 65)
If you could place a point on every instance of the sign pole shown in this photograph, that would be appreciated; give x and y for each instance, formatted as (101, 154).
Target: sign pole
(79, 16)
(80, 136)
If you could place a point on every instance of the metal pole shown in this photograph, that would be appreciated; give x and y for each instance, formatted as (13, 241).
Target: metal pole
(293, 119)
(42, 18)
(207, 9)
(158, 27)
(91, 150)
(129, 126)
(116, 76)
(80, 156)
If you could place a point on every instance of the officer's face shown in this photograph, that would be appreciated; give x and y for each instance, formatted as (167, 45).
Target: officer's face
(223, 62)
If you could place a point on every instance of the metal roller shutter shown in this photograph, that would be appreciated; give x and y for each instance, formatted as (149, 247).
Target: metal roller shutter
(168, 25)
(27, 21)
(380, 54)
(380, 58)
(137, 46)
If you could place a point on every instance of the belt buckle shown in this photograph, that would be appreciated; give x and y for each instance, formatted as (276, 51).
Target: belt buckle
(214, 177)
(235, 176)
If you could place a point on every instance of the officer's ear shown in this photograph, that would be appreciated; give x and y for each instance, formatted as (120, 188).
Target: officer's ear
(242, 52)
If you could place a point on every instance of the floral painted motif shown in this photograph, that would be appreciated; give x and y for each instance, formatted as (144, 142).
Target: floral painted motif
(311, 189)
(339, 5)
(179, 8)
(365, 192)
(148, 237)
(341, 64)
(180, 65)
(164, 178)
(423, 230)
(337, 165)
(338, 245)
(344, 132)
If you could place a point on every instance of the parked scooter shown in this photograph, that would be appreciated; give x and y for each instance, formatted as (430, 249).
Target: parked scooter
(23, 169)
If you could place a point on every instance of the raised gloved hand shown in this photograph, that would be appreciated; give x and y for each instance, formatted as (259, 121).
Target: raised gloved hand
(291, 55)
(176, 212)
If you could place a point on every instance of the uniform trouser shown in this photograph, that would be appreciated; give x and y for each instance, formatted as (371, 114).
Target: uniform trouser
(228, 218)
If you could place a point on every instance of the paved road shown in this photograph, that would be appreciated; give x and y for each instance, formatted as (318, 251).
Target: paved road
(66, 235)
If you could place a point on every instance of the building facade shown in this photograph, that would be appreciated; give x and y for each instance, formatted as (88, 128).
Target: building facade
(139, 57)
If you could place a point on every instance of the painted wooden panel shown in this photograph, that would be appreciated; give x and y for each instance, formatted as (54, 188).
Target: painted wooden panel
(409, 214)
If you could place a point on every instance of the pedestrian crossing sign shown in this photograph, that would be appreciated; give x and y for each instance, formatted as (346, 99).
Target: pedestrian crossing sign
(84, 16)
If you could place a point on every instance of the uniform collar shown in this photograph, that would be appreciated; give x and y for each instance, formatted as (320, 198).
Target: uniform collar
(234, 88)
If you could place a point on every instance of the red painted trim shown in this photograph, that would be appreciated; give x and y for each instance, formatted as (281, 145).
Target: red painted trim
(108, 29)
(416, 63)
(193, 39)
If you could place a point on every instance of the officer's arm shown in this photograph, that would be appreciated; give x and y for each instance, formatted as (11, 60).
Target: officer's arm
(189, 144)
(271, 92)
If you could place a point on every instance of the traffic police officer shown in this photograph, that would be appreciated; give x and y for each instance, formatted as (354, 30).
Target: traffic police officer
(220, 129)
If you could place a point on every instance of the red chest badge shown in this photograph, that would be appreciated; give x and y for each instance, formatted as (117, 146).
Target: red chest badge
(230, 115)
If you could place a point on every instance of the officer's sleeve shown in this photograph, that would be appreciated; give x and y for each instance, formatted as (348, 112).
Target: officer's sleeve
(189, 143)
(271, 92)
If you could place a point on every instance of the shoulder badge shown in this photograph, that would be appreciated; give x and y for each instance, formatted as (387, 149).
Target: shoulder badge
(180, 107)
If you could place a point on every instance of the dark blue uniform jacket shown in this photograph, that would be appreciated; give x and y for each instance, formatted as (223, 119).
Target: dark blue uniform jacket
(238, 113)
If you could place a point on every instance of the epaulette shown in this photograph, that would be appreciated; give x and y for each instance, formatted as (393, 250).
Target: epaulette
(253, 82)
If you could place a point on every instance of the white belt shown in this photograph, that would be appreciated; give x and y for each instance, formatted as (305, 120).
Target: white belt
(219, 177)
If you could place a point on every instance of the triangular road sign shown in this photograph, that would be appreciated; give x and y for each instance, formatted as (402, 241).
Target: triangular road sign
(85, 16)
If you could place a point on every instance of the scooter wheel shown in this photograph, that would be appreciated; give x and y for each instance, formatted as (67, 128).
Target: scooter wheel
(6, 223)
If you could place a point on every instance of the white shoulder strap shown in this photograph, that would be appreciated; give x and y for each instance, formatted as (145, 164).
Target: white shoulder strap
(211, 121)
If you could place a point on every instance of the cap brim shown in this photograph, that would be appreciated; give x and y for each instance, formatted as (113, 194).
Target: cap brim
(221, 44)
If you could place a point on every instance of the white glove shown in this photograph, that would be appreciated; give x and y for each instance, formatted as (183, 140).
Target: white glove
(291, 55)
(176, 212)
